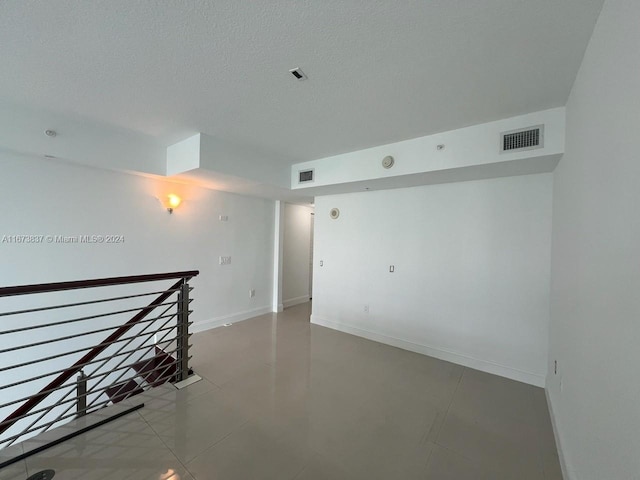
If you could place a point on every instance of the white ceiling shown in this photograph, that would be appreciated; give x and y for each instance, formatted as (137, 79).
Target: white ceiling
(379, 71)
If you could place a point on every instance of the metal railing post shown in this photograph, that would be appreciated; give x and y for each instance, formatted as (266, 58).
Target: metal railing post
(81, 394)
(182, 353)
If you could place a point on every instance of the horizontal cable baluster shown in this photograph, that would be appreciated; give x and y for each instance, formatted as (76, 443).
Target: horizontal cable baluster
(90, 302)
(168, 329)
(147, 336)
(125, 368)
(63, 401)
(62, 370)
(81, 319)
(45, 411)
(69, 337)
(147, 349)
(69, 385)
(80, 350)
(118, 354)
(122, 383)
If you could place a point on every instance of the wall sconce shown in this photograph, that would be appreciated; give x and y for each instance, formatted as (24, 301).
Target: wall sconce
(172, 202)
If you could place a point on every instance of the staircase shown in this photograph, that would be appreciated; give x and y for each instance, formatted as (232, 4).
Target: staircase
(155, 371)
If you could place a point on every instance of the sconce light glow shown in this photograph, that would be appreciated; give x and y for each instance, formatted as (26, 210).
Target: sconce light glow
(172, 202)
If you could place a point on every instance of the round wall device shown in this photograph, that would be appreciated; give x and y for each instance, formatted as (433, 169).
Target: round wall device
(334, 213)
(388, 161)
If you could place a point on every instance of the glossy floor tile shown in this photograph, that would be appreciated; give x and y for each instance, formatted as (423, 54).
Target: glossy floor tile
(283, 399)
(16, 470)
(125, 448)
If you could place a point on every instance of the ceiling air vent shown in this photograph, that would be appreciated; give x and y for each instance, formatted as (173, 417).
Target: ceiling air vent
(298, 73)
(522, 139)
(305, 176)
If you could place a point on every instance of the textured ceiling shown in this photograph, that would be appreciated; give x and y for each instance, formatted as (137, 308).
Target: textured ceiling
(379, 71)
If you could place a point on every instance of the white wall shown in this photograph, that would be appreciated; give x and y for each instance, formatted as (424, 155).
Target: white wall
(54, 198)
(464, 147)
(297, 249)
(471, 281)
(595, 294)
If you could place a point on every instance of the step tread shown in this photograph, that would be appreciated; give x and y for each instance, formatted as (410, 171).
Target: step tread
(158, 369)
(121, 392)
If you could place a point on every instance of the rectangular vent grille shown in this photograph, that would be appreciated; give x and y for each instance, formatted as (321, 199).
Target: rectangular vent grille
(305, 176)
(523, 139)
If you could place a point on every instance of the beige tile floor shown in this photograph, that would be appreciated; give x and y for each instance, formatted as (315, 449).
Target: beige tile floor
(283, 399)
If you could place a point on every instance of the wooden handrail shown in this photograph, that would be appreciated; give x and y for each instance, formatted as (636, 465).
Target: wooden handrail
(98, 282)
(95, 351)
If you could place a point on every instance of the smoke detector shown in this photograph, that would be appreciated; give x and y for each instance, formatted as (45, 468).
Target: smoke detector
(334, 213)
(388, 161)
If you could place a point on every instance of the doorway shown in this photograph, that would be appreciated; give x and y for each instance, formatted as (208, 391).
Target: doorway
(297, 254)
(311, 222)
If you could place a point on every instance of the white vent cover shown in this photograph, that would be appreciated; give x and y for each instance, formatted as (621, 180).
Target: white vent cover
(522, 139)
(305, 176)
(334, 213)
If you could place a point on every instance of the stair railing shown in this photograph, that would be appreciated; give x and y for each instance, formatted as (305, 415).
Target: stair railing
(46, 327)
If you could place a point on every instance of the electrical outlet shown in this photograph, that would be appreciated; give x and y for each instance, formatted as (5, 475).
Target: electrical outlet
(225, 260)
(555, 367)
(366, 309)
(224, 218)
(392, 268)
(252, 293)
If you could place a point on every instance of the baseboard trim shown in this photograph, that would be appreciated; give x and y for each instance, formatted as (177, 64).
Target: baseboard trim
(454, 357)
(556, 434)
(233, 318)
(295, 301)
